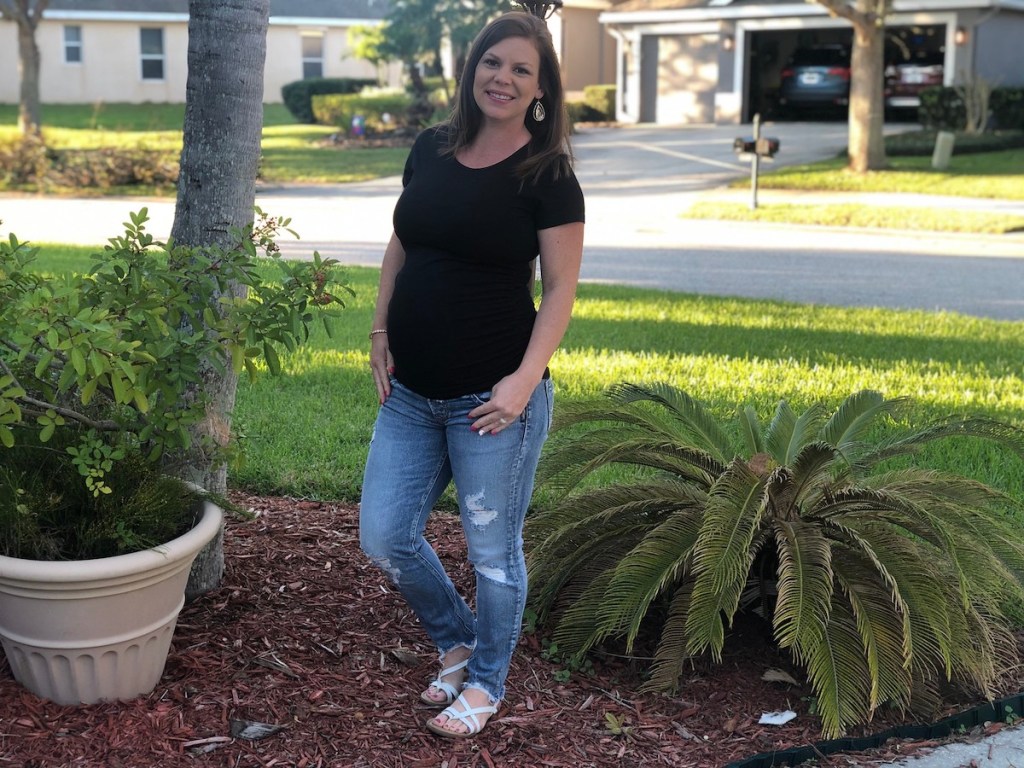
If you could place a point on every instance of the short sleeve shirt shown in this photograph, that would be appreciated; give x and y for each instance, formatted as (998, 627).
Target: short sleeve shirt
(461, 314)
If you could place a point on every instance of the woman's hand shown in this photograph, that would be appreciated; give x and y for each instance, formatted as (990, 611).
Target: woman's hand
(382, 365)
(381, 362)
(509, 398)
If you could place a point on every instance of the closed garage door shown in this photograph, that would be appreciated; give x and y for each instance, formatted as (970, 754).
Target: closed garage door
(680, 74)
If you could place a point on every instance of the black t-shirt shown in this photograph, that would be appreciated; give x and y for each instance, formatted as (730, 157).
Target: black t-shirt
(461, 314)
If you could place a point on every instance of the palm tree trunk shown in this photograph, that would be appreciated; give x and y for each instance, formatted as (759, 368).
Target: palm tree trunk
(217, 191)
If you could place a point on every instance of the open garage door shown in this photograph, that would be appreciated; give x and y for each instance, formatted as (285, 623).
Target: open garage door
(801, 74)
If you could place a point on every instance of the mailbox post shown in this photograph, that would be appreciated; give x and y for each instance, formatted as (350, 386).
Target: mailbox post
(754, 149)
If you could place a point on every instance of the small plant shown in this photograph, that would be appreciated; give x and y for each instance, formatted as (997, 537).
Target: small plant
(570, 664)
(616, 725)
(879, 577)
(812, 704)
(1010, 717)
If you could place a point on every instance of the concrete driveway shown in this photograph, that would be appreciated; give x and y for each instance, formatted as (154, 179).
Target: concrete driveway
(637, 181)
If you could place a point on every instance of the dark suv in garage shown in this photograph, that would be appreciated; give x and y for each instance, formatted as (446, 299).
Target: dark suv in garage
(816, 77)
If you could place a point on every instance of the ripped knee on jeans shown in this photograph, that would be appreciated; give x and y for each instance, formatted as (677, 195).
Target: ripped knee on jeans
(384, 563)
(493, 573)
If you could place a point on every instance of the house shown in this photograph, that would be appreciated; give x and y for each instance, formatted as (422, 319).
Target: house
(136, 51)
(586, 51)
(704, 61)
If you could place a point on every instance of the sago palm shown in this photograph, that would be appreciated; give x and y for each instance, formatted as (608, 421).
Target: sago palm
(881, 580)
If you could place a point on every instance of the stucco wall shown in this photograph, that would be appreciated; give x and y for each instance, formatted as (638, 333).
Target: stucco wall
(8, 63)
(687, 78)
(110, 70)
(586, 51)
(998, 41)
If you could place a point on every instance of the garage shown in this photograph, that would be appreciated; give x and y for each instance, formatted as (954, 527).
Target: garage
(698, 61)
(681, 89)
(788, 71)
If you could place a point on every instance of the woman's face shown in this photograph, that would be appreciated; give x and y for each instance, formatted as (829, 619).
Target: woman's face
(507, 80)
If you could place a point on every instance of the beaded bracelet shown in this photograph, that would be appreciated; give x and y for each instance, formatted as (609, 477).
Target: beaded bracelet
(375, 332)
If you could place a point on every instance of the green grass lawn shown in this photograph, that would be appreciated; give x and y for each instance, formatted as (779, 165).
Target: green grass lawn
(860, 215)
(305, 433)
(996, 175)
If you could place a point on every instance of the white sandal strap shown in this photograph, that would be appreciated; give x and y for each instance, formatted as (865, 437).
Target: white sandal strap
(453, 668)
(447, 688)
(468, 714)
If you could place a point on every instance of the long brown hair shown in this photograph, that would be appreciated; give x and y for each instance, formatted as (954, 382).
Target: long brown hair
(549, 147)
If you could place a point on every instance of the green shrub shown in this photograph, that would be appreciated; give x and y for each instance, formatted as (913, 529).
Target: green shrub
(942, 109)
(112, 167)
(601, 99)
(27, 161)
(1008, 108)
(47, 513)
(298, 95)
(115, 356)
(922, 143)
(882, 578)
(581, 112)
(23, 160)
(339, 109)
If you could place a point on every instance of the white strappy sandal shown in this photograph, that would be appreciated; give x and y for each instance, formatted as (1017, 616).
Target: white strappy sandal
(467, 716)
(450, 691)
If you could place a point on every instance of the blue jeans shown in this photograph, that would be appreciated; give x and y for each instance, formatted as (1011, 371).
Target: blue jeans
(418, 446)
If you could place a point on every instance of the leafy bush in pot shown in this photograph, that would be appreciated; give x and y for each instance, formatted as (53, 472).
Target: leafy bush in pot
(116, 357)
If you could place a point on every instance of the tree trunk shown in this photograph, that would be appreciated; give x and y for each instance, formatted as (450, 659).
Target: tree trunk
(217, 190)
(26, 15)
(867, 106)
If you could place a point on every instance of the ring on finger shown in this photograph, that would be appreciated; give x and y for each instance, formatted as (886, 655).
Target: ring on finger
(502, 422)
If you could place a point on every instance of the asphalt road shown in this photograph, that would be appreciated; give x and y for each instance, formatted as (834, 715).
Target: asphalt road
(637, 180)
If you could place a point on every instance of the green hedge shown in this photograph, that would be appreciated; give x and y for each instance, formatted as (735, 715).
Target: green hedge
(298, 96)
(601, 98)
(339, 109)
(922, 143)
(28, 162)
(942, 109)
(1008, 108)
(597, 106)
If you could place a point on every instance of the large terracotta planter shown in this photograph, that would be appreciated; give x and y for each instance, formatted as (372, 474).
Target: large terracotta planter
(86, 631)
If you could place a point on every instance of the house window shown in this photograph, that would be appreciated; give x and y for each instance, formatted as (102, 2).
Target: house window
(312, 56)
(151, 41)
(72, 45)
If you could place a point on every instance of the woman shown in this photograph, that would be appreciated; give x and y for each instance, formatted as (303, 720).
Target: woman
(459, 354)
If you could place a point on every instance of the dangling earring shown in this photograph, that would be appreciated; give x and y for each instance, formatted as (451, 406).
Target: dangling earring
(538, 112)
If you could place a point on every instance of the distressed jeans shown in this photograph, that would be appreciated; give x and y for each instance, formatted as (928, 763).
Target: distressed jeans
(419, 445)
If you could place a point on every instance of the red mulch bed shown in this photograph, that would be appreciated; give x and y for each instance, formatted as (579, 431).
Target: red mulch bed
(307, 639)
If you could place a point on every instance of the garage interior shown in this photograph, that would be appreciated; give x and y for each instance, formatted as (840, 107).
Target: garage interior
(769, 51)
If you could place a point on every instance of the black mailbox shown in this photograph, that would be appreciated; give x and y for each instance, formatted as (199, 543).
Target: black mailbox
(765, 147)
(743, 146)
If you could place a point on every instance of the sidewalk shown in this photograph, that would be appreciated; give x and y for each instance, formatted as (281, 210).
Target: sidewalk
(1003, 749)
